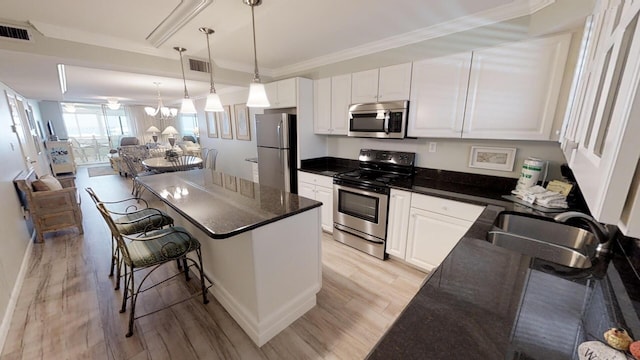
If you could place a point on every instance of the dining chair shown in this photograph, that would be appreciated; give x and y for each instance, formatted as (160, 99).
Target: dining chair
(185, 162)
(134, 167)
(131, 216)
(151, 250)
(209, 158)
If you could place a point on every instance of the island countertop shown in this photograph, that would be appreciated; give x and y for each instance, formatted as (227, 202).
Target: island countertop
(222, 205)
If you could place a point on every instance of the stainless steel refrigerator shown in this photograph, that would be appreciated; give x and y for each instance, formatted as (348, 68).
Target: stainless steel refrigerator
(277, 156)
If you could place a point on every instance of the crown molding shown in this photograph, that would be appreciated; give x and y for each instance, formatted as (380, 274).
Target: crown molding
(179, 17)
(84, 37)
(502, 13)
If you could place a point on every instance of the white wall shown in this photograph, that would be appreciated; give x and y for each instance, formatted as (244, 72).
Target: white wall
(15, 237)
(231, 152)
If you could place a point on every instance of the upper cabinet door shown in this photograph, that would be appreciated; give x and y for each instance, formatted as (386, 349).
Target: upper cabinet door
(340, 101)
(513, 89)
(364, 87)
(282, 93)
(322, 106)
(438, 93)
(287, 91)
(394, 83)
(601, 139)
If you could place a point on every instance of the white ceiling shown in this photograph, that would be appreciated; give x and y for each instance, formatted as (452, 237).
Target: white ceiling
(292, 36)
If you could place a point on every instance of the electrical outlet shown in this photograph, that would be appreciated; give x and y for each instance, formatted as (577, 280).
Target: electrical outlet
(433, 147)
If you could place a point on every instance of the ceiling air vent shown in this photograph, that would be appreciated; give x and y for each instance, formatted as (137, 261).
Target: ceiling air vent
(199, 65)
(13, 32)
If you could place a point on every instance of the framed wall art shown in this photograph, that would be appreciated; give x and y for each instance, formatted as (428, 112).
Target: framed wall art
(224, 120)
(212, 126)
(492, 158)
(243, 130)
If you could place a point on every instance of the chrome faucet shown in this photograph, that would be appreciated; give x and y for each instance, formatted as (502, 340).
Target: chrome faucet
(600, 231)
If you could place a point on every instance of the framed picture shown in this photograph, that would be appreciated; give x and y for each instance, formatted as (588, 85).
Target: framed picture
(243, 131)
(492, 158)
(212, 126)
(224, 119)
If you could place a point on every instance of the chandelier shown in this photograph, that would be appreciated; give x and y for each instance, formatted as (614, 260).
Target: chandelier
(162, 111)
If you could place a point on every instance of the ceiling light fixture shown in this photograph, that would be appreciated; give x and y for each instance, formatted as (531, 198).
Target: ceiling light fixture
(187, 104)
(257, 93)
(113, 104)
(62, 78)
(213, 100)
(163, 111)
(68, 107)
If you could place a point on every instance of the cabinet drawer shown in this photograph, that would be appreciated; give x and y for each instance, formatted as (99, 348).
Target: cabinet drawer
(325, 181)
(447, 207)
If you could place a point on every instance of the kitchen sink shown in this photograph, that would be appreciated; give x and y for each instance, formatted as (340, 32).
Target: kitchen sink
(543, 238)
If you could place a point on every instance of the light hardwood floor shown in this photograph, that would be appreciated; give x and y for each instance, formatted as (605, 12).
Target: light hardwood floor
(67, 308)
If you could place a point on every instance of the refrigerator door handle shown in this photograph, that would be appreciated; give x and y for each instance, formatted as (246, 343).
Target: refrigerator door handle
(279, 134)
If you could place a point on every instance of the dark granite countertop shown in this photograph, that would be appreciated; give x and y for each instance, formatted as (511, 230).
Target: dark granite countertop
(487, 302)
(222, 205)
(327, 166)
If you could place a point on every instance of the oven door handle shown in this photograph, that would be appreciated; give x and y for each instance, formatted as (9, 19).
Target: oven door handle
(358, 234)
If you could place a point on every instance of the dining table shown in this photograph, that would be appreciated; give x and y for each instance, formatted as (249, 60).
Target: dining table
(163, 164)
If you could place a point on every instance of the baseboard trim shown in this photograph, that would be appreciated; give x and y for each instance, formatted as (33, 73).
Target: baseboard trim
(15, 293)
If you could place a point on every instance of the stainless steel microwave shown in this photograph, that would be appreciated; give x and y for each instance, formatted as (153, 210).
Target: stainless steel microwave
(385, 120)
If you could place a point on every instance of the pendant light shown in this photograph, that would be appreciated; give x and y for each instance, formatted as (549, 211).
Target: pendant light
(187, 104)
(213, 100)
(257, 93)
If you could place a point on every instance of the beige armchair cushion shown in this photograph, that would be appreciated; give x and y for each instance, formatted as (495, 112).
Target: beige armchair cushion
(46, 183)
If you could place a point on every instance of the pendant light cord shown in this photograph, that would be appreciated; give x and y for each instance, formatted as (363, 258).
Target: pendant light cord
(186, 93)
(256, 76)
(213, 87)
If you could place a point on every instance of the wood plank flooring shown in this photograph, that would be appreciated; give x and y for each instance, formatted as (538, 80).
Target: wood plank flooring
(67, 308)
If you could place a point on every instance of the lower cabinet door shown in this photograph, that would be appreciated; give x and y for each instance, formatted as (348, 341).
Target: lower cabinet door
(431, 237)
(325, 195)
(399, 206)
(307, 190)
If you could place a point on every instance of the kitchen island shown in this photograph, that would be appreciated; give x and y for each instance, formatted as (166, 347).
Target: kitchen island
(260, 245)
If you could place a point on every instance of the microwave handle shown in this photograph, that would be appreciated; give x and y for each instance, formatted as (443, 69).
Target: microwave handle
(386, 122)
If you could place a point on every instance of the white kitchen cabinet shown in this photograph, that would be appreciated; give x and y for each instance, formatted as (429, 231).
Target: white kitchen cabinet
(398, 222)
(601, 137)
(435, 227)
(340, 101)
(322, 106)
(282, 93)
(513, 89)
(390, 83)
(319, 188)
(438, 96)
(331, 105)
(507, 92)
(364, 86)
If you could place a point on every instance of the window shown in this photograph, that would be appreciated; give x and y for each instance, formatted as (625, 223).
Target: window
(88, 122)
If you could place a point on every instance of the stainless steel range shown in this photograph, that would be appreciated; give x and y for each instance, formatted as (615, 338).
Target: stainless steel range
(361, 199)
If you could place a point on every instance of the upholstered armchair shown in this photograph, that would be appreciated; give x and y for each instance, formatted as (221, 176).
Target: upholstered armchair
(129, 140)
(135, 152)
(51, 203)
